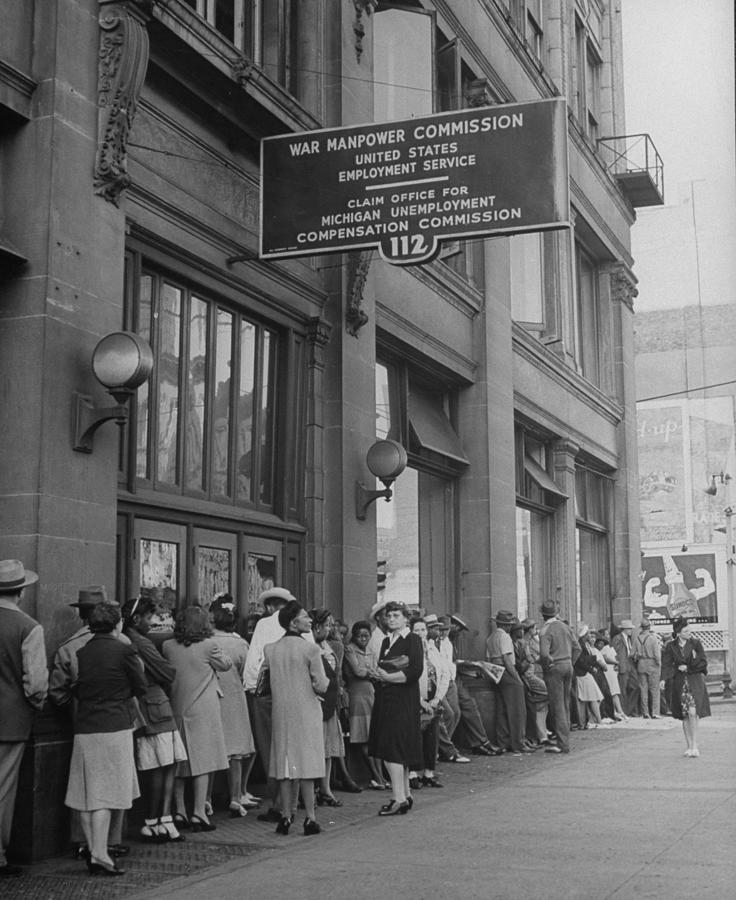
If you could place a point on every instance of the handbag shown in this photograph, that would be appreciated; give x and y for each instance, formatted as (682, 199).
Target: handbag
(330, 696)
(394, 663)
(263, 685)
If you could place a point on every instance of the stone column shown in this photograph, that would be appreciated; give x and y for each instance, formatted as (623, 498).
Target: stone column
(626, 584)
(318, 336)
(564, 453)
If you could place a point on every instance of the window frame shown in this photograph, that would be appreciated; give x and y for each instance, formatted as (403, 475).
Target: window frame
(587, 481)
(268, 417)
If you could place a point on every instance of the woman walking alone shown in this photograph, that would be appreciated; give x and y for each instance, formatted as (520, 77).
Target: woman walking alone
(684, 661)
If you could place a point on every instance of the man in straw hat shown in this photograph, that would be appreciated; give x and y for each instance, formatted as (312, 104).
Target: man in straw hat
(267, 631)
(510, 701)
(649, 669)
(622, 643)
(23, 687)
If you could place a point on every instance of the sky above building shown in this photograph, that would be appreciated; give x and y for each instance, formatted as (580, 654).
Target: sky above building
(679, 84)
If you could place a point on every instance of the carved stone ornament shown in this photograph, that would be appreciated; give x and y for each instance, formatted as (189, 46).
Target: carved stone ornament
(121, 71)
(358, 263)
(243, 70)
(479, 93)
(623, 285)
(361, 7)
(318, 334)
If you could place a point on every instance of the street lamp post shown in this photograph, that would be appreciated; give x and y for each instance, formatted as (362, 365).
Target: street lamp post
(725, 479)
(730, 585)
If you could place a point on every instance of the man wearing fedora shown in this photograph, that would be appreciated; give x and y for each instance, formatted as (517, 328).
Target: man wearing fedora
(510, 702)
(377, 615)
(63, 677)
(628, 677)
(558, 650)
(462, 705)
(23, 687)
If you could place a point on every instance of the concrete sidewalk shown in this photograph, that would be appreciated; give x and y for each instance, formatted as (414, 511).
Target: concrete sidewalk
(624, 815)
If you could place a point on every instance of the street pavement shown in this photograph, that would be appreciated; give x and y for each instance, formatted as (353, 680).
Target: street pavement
(625, 815)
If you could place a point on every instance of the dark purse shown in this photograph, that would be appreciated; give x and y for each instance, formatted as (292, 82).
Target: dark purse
(330, 696)
(263, 685)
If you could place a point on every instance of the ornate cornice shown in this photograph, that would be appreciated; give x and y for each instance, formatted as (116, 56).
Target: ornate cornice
(318, 334)
(358, 263)
(361, 7)
(121, 71)
(623, 284)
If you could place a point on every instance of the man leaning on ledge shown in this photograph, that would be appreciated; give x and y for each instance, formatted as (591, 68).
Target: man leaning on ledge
(23, 688)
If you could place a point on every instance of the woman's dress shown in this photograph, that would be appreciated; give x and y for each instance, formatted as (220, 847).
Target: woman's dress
(297, 676)
(587, 690)
(233, 707)
(195, 699)
(334, 744)
(395, 731)
(688, 689)
(360, 691)
(610, 658)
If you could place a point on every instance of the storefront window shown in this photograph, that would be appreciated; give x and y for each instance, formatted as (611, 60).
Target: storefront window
(537, 496)
(205, 422)
(533, 555)
(591, 545)
(415, 531)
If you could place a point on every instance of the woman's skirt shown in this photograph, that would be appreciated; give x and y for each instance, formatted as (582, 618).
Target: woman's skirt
(334, 745)
(587, 689)
(154, 751)
(102, 772)
(361, 706)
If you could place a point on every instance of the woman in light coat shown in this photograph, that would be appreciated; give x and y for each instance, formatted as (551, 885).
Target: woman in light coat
(233, 708)
(195, 699)
(297, 678)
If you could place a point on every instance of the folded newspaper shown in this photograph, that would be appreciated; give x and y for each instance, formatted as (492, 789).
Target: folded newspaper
(478, 668)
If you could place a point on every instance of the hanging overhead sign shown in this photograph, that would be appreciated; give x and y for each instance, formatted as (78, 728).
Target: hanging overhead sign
(405, 186)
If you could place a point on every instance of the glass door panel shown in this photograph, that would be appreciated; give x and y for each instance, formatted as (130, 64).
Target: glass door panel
(263, 569)
(158, 568)
(215, 572)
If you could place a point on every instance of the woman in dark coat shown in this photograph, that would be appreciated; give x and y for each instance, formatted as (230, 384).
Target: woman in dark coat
(395, 733)
(102, 774)
(684, 661)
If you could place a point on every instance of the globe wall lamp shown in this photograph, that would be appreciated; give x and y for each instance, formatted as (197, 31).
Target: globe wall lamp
(386, 460)
(121, 362)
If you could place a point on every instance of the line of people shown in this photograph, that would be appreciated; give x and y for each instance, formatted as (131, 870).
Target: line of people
(167, 712)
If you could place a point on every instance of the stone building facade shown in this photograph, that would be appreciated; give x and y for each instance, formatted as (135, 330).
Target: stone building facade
(129, 163)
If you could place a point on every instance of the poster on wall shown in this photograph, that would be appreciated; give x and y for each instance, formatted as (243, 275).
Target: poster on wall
(682, 585)
(662, 473)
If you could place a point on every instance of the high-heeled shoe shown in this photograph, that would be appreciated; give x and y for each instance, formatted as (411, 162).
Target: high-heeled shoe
(430, 782)
(237, 810)
(181, 821)
(208, 811)
(394, 808)
(284, 825)
(198, 824)
(168, 830)
(97, 867)
(323, 799)
(311, 827)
